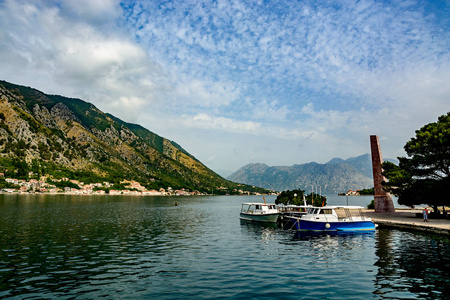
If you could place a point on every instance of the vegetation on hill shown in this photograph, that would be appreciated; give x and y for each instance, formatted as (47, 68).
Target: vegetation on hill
(60, 137)
(424, 176)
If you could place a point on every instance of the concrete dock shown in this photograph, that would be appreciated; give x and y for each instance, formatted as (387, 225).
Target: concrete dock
(407, 219)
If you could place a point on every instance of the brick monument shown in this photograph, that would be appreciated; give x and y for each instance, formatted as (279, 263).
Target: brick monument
(383, 200)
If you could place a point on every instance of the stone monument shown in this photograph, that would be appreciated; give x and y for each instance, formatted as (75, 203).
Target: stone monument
(383, 200)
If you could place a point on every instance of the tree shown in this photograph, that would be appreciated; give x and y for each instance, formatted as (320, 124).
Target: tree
(22, 168)
(295, 197)
(367, 191)
(316, 200)
(423, 177)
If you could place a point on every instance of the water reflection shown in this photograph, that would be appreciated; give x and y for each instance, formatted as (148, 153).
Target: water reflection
(145, 247)
(71, 246)
(412, 265)
(259, 230)
(307, 235)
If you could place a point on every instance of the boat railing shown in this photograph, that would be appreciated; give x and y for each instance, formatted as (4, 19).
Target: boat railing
(342, 214)
(363, 217)
(350, 215)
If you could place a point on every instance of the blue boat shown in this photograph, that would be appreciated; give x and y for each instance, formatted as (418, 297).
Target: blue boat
(334, 218)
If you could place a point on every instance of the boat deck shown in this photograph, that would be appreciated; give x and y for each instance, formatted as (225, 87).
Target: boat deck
(407, 219)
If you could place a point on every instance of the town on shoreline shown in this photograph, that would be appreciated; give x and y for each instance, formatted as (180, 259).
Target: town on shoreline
(75, 187)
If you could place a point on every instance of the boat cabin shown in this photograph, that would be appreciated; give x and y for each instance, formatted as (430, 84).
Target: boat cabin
(293, 210)
(335, 214)
(258, 208)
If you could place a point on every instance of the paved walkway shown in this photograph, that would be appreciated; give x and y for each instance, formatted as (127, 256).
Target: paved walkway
(406, 218)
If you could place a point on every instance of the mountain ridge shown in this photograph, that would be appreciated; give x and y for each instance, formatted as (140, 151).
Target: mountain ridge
(335, 176)
(67, 137)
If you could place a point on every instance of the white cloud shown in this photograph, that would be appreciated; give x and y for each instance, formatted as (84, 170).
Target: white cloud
(96, 12)
(204, 121)
(262, 109)
(274, 79)
(77, 59)
(201, 93)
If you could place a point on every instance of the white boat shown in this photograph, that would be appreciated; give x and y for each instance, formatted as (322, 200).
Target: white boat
(334, 218)
(289, 213)
(293, 210)
(259, 212)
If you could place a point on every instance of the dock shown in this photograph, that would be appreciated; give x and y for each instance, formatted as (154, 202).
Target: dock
(407, 219)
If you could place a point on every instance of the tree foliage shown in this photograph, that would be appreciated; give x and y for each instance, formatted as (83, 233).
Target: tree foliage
(295, 197)
(423, 176)
(367, 191)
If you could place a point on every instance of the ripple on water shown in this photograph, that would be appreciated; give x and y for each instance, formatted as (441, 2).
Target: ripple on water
(146, 248)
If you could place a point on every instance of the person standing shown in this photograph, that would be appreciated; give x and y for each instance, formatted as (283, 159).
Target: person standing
(425, 214)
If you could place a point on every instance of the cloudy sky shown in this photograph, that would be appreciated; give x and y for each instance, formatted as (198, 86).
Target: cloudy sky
(236, 82)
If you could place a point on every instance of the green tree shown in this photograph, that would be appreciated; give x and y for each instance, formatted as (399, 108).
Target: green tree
(295, 197)
(423, 176)
(22, 168)
(316, 199)
(367, 191)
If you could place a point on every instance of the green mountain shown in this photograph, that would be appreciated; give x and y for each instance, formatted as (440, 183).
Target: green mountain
(63, 137)
(335, 176)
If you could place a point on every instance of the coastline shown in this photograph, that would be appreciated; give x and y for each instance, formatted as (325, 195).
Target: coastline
(407, 219)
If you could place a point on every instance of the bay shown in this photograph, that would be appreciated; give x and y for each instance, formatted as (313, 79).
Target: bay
(128, 247)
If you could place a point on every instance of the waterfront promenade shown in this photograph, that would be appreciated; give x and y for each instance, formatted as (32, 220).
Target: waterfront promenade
(407, 219)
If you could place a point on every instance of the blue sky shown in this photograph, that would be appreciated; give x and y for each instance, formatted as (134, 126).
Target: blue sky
(237, 82)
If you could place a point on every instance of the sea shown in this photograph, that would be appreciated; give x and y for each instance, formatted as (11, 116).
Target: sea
(139, 247)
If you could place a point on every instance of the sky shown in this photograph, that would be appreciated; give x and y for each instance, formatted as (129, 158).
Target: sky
(237, 82)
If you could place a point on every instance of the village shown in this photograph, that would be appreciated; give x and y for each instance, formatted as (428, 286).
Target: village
(76, 187)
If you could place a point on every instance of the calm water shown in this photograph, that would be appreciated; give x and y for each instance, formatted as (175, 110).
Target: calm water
(66, 247)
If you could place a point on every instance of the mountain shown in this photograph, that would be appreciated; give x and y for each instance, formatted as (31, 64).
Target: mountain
(53, 135)
(335, 176)
(361, 163)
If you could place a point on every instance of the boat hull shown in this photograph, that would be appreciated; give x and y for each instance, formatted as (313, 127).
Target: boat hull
(306, 225)
(263, 218)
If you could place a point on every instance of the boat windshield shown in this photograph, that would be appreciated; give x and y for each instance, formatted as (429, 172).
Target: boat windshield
(313, 211)
(245, 208)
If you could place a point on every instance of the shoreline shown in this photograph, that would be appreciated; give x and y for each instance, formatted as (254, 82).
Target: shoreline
(406, 219)
(140, 194)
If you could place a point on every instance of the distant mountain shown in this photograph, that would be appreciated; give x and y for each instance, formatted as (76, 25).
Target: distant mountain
(53, 135)
(361, 163)
(335, 176)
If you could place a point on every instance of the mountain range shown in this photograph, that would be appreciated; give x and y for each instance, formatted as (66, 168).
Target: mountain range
(337, 175)
(62, 137)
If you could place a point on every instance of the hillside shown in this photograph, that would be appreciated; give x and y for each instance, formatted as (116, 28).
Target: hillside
(335, 176)
(69, 138)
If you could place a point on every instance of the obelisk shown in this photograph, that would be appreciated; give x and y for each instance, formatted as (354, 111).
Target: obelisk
(383, 200)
